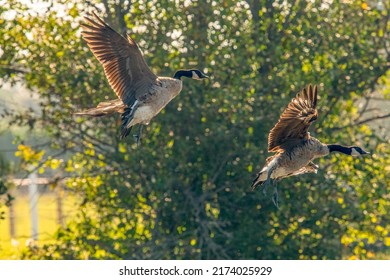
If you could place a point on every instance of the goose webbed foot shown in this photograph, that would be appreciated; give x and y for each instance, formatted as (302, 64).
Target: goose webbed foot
(137, 137)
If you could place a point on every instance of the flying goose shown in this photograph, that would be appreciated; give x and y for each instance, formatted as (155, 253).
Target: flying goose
(294, 147)
(141, 94)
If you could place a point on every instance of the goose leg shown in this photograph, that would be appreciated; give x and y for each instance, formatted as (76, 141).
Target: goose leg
(266, 184)
(137, 136)
(268, 180)
(275, 197)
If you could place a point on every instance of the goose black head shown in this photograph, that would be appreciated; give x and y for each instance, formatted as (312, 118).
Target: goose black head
(191, 73)
(357, 151)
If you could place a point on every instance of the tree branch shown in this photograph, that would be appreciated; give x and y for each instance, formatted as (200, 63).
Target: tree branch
(15, 69)
(363, 121)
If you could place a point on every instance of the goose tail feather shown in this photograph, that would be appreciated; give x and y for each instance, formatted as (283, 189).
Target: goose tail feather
(104, 108)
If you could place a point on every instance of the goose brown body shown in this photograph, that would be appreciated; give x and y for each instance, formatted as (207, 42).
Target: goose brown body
(158, 97)
(297, 161)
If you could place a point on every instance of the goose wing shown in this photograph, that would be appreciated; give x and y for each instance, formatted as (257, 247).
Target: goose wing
(123, 63)
(293, 125)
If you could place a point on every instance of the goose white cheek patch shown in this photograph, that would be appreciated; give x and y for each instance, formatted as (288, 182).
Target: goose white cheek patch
(355, 153)
(195, 76)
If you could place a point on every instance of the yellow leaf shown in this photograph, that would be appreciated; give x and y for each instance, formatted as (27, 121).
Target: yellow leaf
(73, 12)
(69, 166)
(54, 163)
(122, 148)
(28, 154)
(379, 228)
(170, 143)
(90, 152)
(306, 67)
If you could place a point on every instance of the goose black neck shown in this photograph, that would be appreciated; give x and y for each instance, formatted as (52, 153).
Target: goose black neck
(339, 148)
(181, 73)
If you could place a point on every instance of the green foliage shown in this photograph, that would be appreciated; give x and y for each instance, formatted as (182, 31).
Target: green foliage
(5, 197)
(184, 193)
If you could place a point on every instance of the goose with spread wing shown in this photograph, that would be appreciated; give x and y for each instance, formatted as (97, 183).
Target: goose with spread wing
(294, 147)
(141, 94)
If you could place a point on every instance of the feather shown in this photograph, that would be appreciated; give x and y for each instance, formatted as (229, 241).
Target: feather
(293, 125)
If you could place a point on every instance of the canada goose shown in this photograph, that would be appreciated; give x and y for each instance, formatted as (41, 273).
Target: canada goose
(294, 147)
(141, 94)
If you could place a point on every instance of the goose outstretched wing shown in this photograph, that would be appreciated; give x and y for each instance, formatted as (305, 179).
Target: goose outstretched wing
(123, 62)
(293, 125)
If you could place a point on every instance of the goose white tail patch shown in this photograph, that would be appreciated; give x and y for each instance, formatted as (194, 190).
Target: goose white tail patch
(270, 165)
(134, 105)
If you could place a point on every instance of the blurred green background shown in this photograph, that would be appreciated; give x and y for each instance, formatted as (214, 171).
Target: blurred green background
(185, 192)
